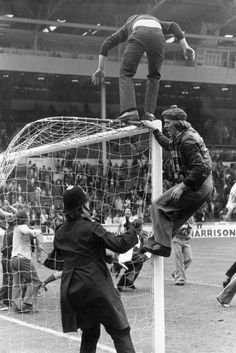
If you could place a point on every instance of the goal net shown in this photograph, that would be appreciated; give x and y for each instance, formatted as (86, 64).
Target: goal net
(111, 163)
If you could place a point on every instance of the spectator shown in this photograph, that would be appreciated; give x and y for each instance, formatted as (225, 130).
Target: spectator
(108, 219)
(143, 33)
(7, 279)
(118, 204)
(182, 252)
(125, 221)
(134, 266)
(22, 266)
(117, 218)
(4, 208)
(231, 204)
(191, 158)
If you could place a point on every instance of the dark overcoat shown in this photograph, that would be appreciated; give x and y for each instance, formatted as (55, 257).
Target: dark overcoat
(88, 296)
(195, 163)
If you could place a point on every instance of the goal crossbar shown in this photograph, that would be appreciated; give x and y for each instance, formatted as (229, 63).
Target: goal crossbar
(85, 140)
(106, 135)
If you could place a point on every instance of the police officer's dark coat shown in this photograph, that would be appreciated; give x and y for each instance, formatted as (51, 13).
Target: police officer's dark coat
(88, 296)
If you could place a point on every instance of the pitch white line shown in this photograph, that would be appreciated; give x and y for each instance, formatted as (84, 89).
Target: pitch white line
(52, 332)
(198, 283)
(74, 338)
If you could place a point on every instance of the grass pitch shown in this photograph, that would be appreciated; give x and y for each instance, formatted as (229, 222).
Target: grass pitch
(194, 320)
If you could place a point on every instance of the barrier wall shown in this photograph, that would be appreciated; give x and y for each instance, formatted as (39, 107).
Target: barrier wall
(83, 67)
(200, 230)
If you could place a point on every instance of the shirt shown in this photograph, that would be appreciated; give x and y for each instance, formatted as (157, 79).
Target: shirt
(122, 34)
(232, 198)
(21, 244)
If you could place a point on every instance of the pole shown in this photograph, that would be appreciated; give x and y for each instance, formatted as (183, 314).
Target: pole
(158, 263)
(103, 116)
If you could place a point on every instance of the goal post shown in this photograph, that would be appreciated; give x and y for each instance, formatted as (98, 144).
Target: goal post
(119, 167)
(158, 262)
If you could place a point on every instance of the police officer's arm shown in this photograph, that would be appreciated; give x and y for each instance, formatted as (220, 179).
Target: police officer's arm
(116, 243)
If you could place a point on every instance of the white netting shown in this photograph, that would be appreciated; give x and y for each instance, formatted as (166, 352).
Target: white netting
(112, 164)
(55, 134)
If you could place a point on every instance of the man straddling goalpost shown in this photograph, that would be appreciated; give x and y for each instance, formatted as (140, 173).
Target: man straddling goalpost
(144, 34)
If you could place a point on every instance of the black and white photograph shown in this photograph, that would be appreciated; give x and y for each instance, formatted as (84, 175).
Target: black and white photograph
(117, 176)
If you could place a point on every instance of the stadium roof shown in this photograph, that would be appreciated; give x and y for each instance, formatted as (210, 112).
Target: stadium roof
(209, 17)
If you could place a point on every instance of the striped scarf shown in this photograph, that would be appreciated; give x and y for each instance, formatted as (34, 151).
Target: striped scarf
(175, 156)
(173, 145)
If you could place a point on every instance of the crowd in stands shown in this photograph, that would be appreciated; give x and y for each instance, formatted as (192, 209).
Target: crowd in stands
(111, 189)
(40, 189)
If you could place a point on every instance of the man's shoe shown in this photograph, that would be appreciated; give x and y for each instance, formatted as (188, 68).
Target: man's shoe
(28, 308)
(156, 249)
(149, 116)
(222, 303)
(129, 117)
(179, 283)
(24, 310)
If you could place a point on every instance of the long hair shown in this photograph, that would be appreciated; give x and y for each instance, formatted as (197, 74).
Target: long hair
(74, 215)
(181, 125)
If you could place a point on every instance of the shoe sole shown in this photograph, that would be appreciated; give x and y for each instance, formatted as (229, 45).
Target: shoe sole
(158, 252)
(128, 119)
(131, 123)
(223, 304)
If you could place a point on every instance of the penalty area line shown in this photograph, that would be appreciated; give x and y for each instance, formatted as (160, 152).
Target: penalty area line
(49, 331)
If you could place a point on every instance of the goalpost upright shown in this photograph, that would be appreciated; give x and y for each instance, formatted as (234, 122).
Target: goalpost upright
(158, 263)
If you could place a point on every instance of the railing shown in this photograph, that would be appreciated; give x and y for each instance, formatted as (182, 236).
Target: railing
(225, 58)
